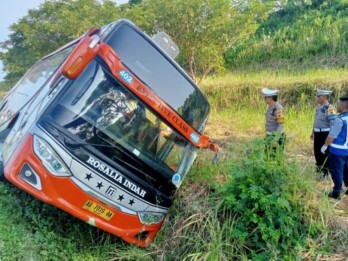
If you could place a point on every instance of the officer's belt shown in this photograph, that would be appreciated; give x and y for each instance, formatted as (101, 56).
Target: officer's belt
(321, 130)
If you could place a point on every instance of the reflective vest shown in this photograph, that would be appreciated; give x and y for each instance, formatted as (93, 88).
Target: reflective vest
(340, 145)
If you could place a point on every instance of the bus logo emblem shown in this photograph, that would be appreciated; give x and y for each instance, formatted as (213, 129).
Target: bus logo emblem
(110, 192)
(126, 76)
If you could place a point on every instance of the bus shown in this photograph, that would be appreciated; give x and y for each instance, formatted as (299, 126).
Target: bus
(106, 129)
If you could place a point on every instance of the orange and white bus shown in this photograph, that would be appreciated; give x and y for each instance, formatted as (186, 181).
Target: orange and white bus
(105, 128)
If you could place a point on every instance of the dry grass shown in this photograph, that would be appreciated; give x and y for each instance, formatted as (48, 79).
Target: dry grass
(339, 235)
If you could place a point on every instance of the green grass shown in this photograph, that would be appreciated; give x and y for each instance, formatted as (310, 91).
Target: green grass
(238, 107)
(197, 227)
(240, 125)
(32, 230)
(298, 34)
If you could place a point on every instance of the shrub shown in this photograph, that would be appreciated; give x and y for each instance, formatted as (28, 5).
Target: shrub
(269, 201)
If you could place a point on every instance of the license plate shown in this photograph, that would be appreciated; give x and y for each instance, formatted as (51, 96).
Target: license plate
(98, 210)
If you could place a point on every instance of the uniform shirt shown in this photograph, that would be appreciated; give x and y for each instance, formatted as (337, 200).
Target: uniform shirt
(336, 134)
(324, 116)
(275, 119)
(336, 128)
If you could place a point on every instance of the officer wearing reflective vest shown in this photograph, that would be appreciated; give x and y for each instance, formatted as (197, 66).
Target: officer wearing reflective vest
(338, 151)
(325, 114)
(275, 118)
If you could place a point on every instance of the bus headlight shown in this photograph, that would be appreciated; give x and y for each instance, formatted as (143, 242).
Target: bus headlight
(149, 218)
(49, 158)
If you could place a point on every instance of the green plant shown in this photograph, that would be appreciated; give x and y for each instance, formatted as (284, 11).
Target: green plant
(296, 35)
(268, 198)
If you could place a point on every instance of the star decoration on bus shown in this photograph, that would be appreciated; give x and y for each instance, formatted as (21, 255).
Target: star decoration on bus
(88, 176)
(120, 197)
(131, 202)
(100, 185)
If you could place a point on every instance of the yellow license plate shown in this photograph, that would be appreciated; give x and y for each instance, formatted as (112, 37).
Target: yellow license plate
(98, 210)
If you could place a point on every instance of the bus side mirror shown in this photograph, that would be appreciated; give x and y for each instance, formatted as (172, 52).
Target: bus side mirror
(81, 56)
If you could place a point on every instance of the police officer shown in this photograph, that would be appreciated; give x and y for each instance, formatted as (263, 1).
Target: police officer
(324, 116)
(338, 151)
(275, 117)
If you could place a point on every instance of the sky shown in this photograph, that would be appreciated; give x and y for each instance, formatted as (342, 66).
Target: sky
(12, 10)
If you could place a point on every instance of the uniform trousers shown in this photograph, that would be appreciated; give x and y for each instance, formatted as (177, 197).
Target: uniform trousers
(321, 159)
(339, 171)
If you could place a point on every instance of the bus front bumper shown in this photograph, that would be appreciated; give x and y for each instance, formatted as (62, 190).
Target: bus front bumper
(63, 193)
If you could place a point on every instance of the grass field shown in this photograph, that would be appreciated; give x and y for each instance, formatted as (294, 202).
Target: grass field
(199, 227)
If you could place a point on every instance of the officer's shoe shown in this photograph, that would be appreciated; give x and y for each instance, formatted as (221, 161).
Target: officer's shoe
(334, 194)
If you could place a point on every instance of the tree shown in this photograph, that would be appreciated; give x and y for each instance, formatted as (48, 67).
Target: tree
(203, 29)
(134, 2)
(52, 25)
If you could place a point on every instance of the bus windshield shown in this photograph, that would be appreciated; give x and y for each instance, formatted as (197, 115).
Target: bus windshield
(97, 109)
(160, 75)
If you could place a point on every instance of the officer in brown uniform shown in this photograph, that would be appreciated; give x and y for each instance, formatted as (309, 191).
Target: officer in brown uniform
(275, 117)
(325, 115)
